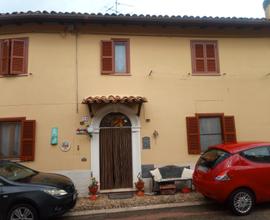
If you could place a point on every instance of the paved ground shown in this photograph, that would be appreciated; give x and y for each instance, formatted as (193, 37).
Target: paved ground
(206, 212)
(103, 202)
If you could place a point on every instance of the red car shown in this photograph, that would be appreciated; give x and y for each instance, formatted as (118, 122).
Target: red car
(235, 173)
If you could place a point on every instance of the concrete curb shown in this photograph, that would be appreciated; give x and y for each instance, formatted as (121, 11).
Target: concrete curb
(137, 208)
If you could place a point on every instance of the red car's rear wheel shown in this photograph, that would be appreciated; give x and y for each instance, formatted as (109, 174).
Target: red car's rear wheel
(241, 201)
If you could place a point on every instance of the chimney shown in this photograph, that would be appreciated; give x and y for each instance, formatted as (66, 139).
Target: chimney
(266, 6)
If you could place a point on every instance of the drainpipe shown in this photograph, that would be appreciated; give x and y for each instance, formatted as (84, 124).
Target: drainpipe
(76, 72)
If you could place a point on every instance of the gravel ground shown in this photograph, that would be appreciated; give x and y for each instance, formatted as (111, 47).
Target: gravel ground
(103, 202)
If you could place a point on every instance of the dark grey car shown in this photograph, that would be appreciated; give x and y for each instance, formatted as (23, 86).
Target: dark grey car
(29, 194)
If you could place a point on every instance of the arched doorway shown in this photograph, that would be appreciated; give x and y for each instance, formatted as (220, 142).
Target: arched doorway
(115, 143)
(135, 133)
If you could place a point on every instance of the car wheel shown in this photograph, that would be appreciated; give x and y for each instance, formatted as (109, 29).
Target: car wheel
(22, 212)
(241, 202)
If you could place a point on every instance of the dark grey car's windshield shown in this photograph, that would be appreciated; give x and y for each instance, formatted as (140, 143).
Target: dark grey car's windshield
(14, 171)
(212, 157)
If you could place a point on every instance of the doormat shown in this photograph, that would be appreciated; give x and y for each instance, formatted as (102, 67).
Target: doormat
(122, 195)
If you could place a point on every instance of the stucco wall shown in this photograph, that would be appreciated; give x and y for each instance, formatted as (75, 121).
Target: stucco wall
(48, 95)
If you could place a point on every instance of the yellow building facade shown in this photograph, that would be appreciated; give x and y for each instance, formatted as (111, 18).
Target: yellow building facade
(64, 68)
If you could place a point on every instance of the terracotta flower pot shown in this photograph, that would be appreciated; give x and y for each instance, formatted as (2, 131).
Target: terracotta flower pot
(93, 192)
(186, 190)
(140, 188)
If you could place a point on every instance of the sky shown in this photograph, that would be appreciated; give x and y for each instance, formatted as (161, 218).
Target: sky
(220, 8)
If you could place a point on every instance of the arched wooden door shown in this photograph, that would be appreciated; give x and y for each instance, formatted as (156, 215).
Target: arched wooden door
(115, 152)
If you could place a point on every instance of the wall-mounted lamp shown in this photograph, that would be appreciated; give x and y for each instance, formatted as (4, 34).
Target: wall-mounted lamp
(155, 134)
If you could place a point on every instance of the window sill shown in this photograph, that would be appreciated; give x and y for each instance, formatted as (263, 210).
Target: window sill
(14, 75)
(11, 159)
(116, 74)
(206, 74)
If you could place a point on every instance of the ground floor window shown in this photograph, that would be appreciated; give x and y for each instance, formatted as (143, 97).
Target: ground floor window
(204, 130)
(10, 139)
(17, 138)
(210, 132)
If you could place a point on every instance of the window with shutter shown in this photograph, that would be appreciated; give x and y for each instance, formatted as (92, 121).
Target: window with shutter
(115, 57)
(28, 140)
(13, 56)
(17, 139)
(4, 57)
(107, 57)
(206, 130)
(193, 135)
(18, 56)
(204, 58)
(229, 130)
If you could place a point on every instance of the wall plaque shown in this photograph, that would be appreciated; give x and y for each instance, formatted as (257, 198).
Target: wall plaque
(146, 142)
(54, 136)
(65, 147)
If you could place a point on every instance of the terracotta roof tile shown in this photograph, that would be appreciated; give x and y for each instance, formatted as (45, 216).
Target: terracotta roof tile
(114, 99)
(39, 16)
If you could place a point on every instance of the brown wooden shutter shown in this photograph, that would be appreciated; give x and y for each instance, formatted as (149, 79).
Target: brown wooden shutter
(211, 61)
(193, 135)
(4, 57)
(107, 57)
(229, 131)
(18, 56)
(28, 140)
(199, 58)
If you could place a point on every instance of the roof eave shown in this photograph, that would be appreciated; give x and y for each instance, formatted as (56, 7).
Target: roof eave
(131, 20)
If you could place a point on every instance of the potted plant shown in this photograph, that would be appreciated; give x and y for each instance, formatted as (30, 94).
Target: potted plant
(93, 188)
(139, 186)
(186, 190)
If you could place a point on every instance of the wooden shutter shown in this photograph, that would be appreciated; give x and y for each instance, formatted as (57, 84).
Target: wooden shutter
(199, 63)
(18, 56)
(28, 140)
(107, 57)
(211, 57)
(193, 135)
(4, 57)
(229, 131)
(204, 57)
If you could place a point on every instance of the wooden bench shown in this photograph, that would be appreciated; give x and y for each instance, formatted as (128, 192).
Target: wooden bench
(167, 188)
(165, 178)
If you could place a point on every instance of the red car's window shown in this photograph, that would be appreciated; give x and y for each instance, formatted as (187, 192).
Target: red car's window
(258, 154)
(212, 157)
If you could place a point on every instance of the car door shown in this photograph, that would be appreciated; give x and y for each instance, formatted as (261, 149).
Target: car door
(257, 171)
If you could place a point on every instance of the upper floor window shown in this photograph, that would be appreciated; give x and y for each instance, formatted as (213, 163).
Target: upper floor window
(204, 58)
(115, 57)
(13, 56)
